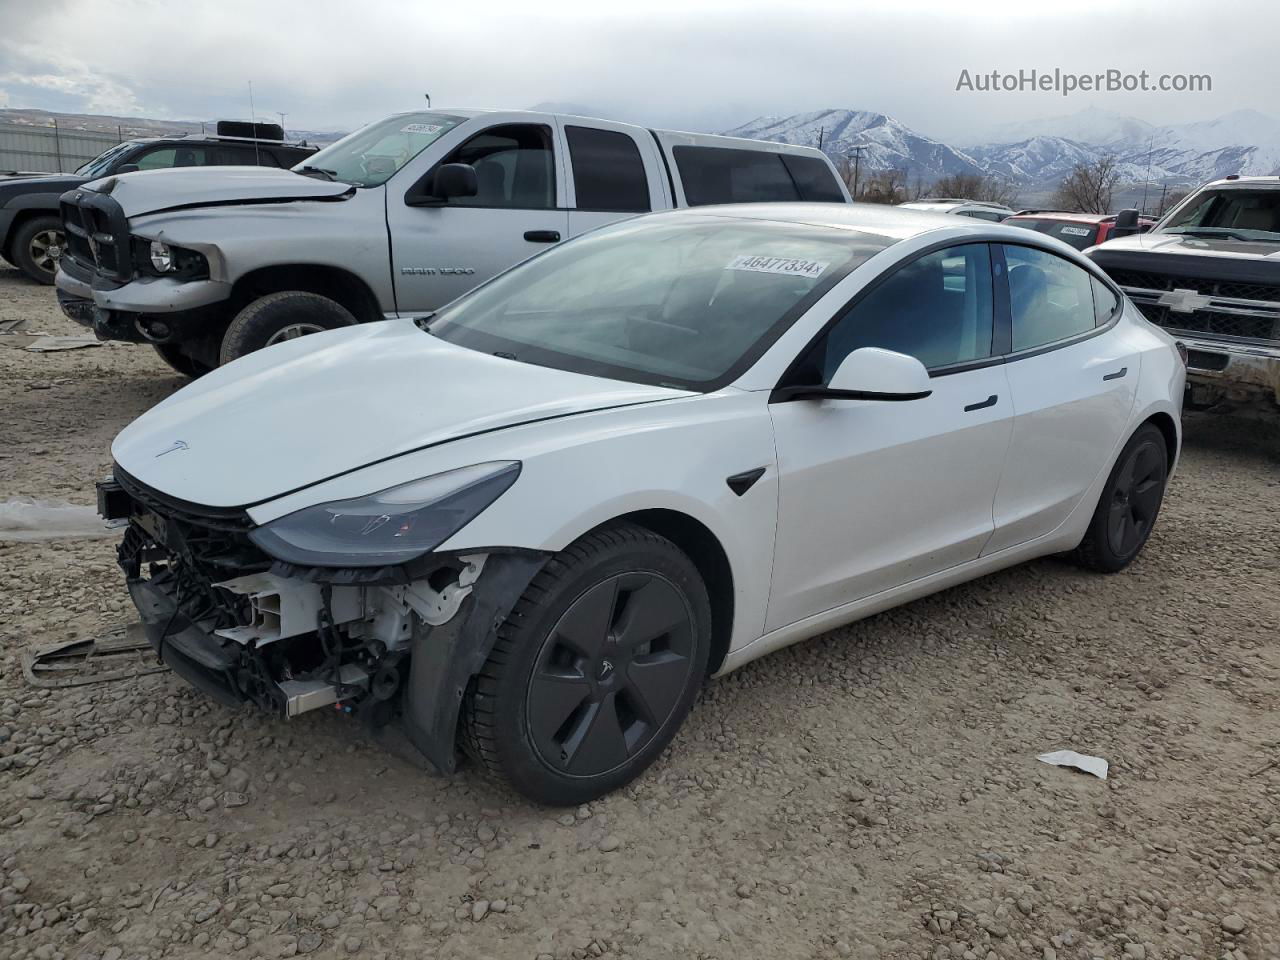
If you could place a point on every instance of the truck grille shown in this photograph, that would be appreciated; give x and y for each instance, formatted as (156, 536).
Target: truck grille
(1211, 322)
(97, 233)
(1209, 288)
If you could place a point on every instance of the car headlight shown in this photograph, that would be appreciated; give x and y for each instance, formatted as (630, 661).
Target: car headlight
(161, 256)
(389, 527)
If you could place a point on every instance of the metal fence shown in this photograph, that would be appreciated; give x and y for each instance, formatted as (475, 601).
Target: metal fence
(49, 149)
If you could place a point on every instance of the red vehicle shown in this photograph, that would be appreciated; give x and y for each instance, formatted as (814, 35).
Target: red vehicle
(1081, 230)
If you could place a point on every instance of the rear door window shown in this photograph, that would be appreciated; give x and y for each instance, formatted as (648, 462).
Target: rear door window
(240, 155)
(814, 179)
(1050, 299)
(1105, 302)
(163, 158)
(608, 171)
(728, 175)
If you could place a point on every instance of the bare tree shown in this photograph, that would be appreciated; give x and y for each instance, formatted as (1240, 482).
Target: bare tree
(977, 186)
(884, 186)
(1089, 187)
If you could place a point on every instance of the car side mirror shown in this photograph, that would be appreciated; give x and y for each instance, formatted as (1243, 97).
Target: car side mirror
(449, 180)
(870, 373)
(1126, 223)
(127, 168)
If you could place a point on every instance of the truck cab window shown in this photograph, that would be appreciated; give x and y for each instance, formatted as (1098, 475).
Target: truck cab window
(727, 175)
(515, 167)
(608, 171)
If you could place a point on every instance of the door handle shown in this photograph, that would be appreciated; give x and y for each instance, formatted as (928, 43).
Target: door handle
(981, 404)
(1117, 375)
(542, 236)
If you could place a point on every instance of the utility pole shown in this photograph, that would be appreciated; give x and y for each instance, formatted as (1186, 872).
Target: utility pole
(857, 160)
(281, 116)
(428, 96)
(822, 132)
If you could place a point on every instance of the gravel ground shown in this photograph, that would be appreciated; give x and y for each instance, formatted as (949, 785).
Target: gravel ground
(873, 793)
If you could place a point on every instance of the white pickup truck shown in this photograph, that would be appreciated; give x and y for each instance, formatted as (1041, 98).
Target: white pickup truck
(396, 219)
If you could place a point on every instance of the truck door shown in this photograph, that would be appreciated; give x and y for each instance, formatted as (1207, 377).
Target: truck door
(440, 252)
(615, 172)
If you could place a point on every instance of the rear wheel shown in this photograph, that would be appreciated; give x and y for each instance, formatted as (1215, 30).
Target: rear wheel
(179, 361)
(278, 317)
(595, 669)
(36, 248)
(1130, 502)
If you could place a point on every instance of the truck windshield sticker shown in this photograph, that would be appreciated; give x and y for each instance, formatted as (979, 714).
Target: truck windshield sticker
(421, 128)
(790, 266)
(1076, 231)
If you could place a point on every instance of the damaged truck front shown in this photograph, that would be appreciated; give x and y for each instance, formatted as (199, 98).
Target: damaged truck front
(1209, 273)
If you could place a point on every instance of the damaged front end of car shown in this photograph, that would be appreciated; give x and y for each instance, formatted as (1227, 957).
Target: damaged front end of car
(277, 616)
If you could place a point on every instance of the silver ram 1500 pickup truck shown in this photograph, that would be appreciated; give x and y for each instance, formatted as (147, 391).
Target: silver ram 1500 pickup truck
(396, 219)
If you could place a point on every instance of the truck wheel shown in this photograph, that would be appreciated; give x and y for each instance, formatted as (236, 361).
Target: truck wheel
(36, 247)
(594, 670)
(179, 361)
(281, 316)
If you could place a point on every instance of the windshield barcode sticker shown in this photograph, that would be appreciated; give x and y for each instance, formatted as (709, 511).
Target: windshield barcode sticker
(788, 266)
(1076, 231)
(421, 128)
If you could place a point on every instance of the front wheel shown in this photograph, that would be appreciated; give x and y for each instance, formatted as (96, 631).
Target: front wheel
(179, 361)
(36, 248)
(595, 669)
(281, 316)
(1130, 502)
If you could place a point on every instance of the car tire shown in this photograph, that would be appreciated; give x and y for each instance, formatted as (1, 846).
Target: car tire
(594, 670)
(36, 246)
(281, 316)
(1130, 502)
(172, 354)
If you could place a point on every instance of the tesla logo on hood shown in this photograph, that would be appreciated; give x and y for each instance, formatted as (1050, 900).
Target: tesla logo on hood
(1183, 301)
(174, 447)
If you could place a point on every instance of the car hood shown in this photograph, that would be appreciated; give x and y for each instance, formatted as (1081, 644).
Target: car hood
(1181, 243)
(150, 191)
(310, 409)
(21, 184)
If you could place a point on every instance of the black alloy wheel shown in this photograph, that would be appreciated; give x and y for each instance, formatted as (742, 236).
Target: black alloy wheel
(1135, 498)
(594, 670)
(1130, 503)
(610, 674)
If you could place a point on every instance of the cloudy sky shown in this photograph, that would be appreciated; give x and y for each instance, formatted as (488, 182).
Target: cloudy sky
(707, 64)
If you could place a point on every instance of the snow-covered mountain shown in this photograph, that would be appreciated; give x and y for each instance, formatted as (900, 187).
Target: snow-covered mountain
(1037, 154)
(887, 144)
(1244, 142)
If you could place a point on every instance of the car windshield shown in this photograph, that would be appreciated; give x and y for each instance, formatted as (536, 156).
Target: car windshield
(1234, 214)
(372, 154)
(679, 301)
(100, 164)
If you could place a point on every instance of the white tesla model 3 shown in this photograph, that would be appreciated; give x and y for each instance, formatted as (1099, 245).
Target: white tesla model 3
(533, 523)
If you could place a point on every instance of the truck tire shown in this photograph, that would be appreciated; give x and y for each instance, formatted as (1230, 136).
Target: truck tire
(548, 713)
(37, 245)
(179, 361)
(281, 316)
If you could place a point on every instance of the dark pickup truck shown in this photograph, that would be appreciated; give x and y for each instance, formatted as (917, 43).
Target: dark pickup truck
(31, 235)
(1209, 273)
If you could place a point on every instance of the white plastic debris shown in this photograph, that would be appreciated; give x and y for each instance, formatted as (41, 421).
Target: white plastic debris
(1080, 761)
(51, 344)
(29, 521)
